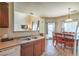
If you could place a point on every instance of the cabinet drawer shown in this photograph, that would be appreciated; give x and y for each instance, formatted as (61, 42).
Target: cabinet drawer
(26, 44)
(37, 42)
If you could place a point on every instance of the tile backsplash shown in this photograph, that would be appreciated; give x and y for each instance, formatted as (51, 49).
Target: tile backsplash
(3, 31)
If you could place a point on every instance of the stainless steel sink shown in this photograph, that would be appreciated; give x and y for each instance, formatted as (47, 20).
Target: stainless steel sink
(27, 39)
(34, 37)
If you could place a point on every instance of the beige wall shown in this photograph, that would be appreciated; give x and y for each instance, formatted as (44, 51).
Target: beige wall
(42, 26)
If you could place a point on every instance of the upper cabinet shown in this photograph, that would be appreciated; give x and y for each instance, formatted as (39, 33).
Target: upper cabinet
(4, 18)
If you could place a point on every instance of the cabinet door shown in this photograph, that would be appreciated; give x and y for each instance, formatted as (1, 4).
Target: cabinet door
(43, 45)
(27, 49)
(4, 21)
(37, 48)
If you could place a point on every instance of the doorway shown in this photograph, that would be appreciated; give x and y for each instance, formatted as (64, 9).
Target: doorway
(51, 29)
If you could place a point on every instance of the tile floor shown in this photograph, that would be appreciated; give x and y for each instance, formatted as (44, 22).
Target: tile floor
(50, 50)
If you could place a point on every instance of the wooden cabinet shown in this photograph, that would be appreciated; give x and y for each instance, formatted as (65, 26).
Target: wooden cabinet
(4, 18)
(43, 45)
(37, 48)
(27, 49)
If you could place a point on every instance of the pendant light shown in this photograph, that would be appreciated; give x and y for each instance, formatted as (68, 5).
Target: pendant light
(69, 18)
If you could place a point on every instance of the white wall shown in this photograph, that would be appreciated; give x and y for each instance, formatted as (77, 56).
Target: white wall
(19, 19)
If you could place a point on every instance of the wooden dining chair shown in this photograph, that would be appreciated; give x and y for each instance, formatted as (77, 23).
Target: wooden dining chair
(54, 38)
(58, 38)
(69, 42)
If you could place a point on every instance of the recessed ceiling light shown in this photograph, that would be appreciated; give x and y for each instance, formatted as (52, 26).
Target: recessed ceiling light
(31, 13)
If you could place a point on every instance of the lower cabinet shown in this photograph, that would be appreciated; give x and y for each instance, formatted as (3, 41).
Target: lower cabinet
(27, 49)
(35, 48)
(43, 45)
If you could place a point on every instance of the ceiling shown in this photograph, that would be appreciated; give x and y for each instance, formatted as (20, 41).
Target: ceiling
(48, 9)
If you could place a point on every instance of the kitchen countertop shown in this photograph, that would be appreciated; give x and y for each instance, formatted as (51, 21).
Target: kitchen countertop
(15, 42)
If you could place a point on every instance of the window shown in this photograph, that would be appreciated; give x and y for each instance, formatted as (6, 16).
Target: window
(35, 26)
(70, 26)
(77, 34)
(51, 29)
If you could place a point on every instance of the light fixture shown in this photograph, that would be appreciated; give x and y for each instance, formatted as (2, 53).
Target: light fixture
(69, 18)
(31, 13)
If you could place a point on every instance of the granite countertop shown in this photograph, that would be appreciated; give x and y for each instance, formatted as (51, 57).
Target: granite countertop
(15, 42)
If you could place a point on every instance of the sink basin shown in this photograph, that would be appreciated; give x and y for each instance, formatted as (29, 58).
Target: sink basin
(34, 37)
(27, 39)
